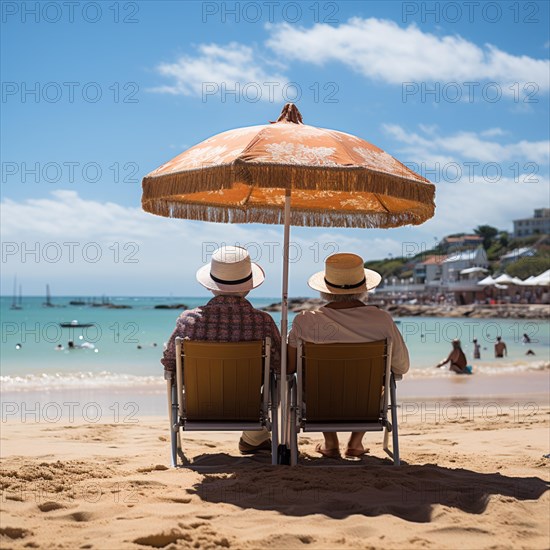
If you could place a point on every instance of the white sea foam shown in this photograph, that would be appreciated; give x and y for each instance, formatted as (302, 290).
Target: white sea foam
(79, 381)
(511, 367)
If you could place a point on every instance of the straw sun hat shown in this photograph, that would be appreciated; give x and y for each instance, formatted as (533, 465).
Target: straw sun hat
(230, 271)
(344, 274)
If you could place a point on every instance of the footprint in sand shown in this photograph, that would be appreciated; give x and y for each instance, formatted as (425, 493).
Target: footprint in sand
(157, 467)
(14, 532)
(179, 500)
(49, 506)
(160, 540)
(81, 516)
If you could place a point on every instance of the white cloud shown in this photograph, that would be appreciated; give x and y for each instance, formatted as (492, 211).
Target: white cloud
(468, 146)
(382, 50)
(463, 206)
(219, 69)
(166, 254)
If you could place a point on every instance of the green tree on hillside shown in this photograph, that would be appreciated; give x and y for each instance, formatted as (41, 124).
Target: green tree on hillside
(487, 233)
(525, 267)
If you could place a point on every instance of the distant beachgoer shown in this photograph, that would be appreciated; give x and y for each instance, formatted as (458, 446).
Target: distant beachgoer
(138, 346)
(18, 346)
(59, 347)
(526, 339)
(500, 348)
(70, 344)
(529, 352)
(457, 360)
(477, 349)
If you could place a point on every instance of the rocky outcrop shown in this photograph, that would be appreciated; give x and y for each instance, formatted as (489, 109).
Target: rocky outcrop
(502, 311)
(297, 304)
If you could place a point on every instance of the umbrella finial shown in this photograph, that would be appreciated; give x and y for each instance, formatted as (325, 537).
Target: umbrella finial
(290, 113)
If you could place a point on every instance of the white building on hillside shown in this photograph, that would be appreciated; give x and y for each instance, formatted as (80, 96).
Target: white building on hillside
(455, 263)
(539, 224)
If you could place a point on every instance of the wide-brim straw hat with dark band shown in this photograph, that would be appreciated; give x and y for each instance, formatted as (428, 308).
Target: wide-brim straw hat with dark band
(344, 274)
(231, 271)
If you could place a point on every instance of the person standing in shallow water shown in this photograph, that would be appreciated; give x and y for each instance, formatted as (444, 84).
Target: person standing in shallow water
(477, 349)
(500, 348)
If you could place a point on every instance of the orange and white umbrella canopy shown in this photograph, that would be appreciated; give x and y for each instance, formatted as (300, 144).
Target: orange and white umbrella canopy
(334, 179)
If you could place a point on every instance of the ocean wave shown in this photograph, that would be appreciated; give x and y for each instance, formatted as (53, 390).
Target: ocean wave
(481, 368)
(110, 380)
(79, 381)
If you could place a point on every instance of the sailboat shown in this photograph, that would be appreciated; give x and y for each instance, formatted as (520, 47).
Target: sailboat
(48, 302)
(15, 304)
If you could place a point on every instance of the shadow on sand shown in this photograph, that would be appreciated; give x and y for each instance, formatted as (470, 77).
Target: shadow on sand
(340, 488)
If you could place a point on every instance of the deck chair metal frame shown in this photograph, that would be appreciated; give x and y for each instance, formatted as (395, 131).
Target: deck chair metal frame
(229, 373)
(375, 356)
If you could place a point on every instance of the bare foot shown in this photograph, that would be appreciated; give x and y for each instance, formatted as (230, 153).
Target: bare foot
(354, 453)
(328, 453)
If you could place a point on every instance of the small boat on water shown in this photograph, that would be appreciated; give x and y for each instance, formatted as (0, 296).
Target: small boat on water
(16, 302)
(48, 302)
(75, 324)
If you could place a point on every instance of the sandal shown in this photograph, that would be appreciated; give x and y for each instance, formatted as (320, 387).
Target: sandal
(355, 453)
(327, 453)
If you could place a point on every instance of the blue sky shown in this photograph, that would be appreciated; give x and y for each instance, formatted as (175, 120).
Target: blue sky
(119, 88)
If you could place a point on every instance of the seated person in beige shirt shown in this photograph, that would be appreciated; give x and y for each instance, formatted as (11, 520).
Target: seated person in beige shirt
(346, 319)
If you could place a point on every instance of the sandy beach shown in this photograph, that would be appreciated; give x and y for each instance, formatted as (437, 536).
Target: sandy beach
(472, 477)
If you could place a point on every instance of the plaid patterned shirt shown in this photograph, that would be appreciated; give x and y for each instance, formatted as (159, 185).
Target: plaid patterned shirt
(224, 319)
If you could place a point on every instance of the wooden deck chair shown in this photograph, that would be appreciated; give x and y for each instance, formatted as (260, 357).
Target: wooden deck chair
(221, 386)
(343, 387)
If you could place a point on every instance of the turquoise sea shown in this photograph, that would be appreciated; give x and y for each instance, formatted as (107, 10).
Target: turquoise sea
(124, 345)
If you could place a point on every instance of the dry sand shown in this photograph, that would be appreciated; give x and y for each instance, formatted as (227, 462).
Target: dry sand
(472, 480)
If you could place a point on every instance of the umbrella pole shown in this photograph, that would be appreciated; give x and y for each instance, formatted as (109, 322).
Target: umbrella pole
(284, 448)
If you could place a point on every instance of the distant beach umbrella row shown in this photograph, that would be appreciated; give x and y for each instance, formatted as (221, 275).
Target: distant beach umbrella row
(540, 280)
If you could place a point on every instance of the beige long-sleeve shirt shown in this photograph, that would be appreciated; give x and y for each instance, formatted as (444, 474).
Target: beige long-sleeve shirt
(348, 326)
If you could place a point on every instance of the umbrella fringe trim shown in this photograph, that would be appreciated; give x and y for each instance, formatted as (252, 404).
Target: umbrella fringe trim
(222, 214)
(339, 179)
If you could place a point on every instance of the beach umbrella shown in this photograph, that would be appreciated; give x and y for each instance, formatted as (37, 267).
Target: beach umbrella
(488, 281)
(504, 279)
(291, 173)
(542, 280)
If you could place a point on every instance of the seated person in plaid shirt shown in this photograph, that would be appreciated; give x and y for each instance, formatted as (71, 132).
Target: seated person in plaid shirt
(228, 317)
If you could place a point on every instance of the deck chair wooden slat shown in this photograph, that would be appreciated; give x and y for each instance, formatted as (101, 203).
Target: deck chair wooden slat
(343, 387)
(222, 386)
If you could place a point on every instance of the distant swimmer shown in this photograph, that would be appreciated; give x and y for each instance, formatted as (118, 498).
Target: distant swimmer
(457, 360)
(18, 346)
(59, 347)
(70, 344)
(500, 348)
(477, 349)
(526, 339)
(529, 352)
